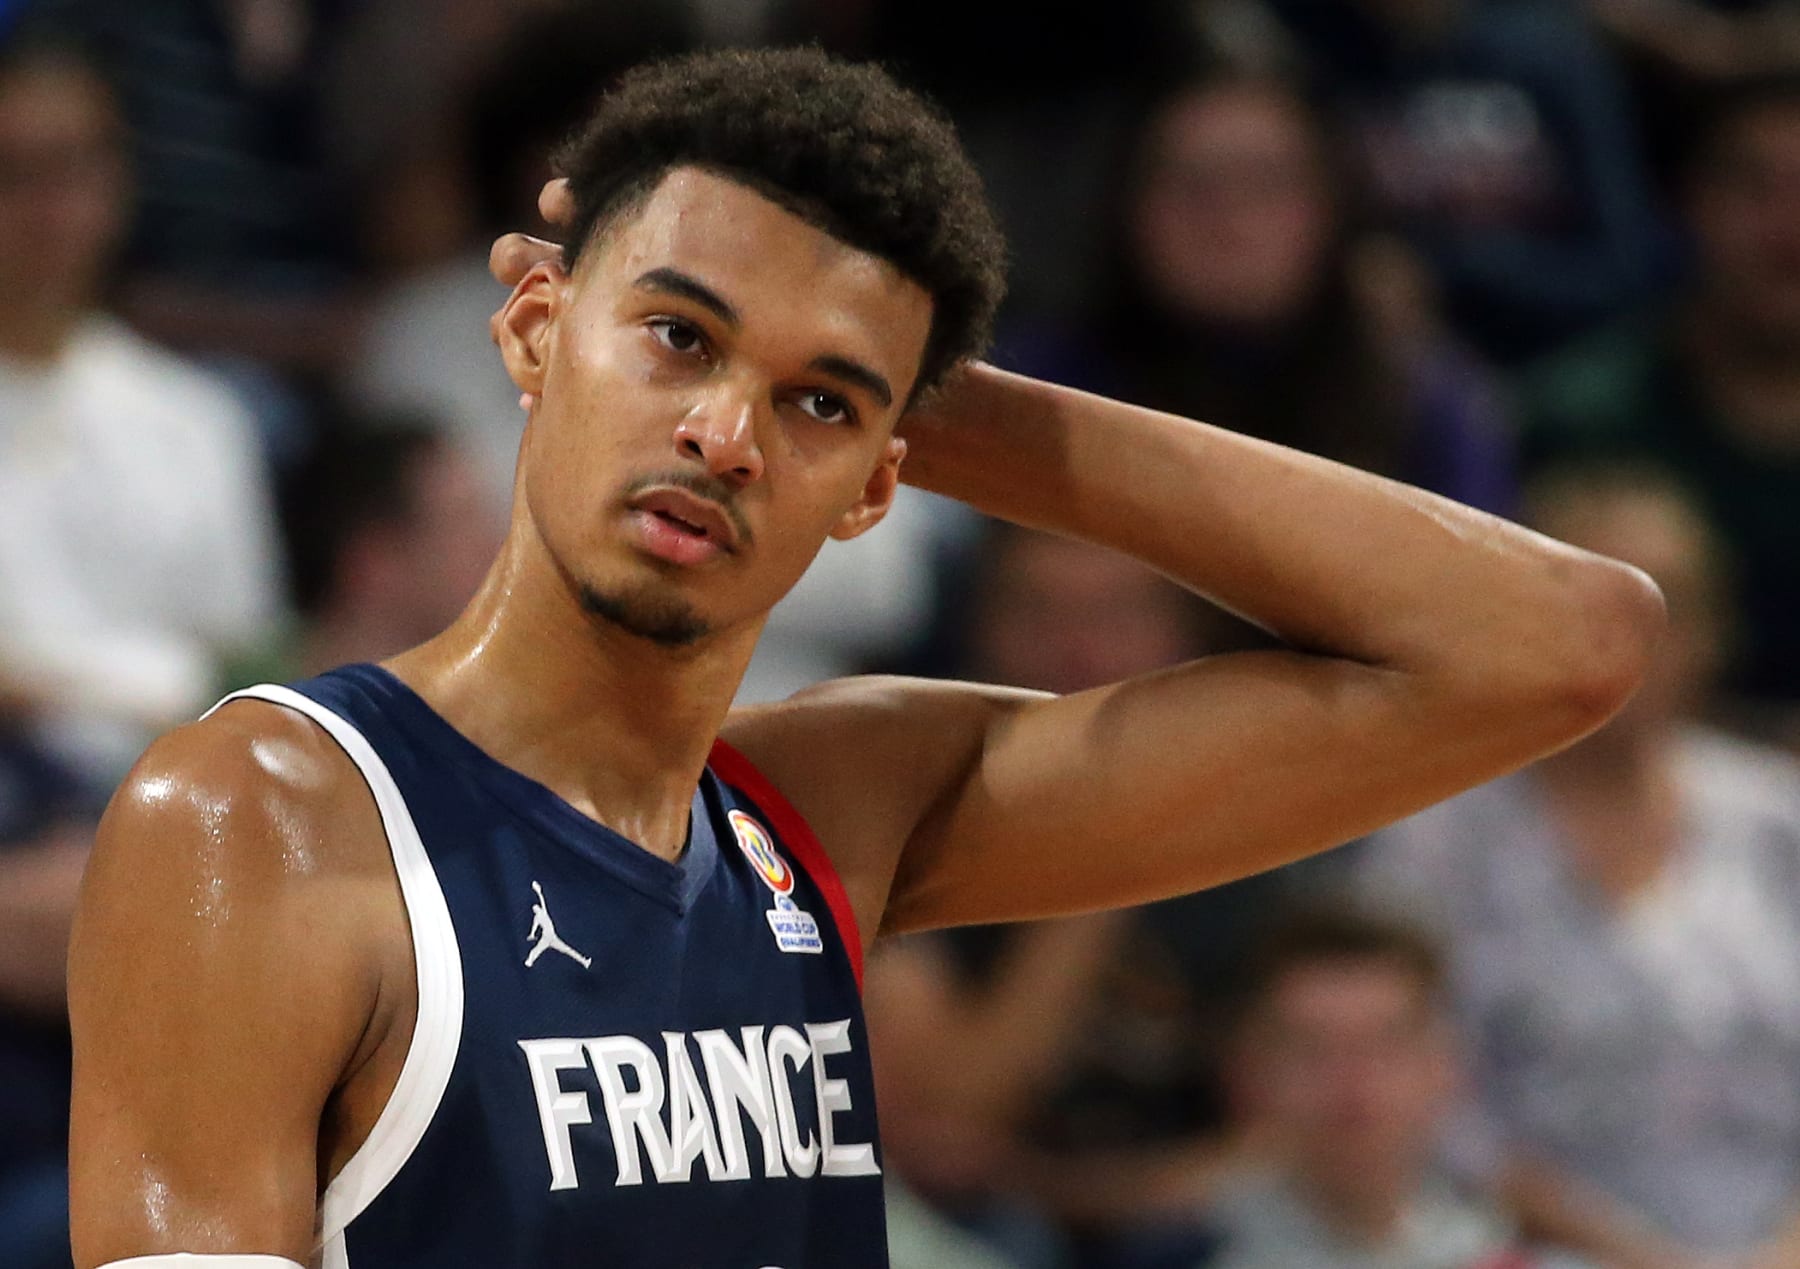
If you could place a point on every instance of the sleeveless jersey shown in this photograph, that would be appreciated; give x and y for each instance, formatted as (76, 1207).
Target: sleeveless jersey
(619, 1062)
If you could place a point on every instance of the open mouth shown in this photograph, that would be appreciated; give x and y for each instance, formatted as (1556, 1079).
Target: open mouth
(684, 526)
(688, 516)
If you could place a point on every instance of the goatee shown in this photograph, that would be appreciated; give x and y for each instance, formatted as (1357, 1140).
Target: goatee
(663, 619)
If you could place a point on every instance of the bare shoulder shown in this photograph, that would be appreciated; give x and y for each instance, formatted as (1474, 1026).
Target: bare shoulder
(232, 837)
(236, 926)
(232, 840)
(864, 760)
(255, 792)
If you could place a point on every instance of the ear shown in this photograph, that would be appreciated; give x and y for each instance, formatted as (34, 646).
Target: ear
(522, 326)
(877, 495)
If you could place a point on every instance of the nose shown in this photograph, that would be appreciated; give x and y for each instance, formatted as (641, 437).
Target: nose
(720, 431)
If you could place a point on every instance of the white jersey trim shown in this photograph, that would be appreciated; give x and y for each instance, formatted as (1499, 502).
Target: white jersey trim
(193, 1260)
(437, 1034)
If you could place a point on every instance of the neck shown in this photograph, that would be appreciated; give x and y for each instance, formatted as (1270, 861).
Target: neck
(615, 725)
(37, 334)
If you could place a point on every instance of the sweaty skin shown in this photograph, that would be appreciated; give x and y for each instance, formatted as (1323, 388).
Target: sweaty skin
(242, 987)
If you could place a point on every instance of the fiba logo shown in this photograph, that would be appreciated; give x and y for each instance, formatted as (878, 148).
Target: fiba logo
(753, 839)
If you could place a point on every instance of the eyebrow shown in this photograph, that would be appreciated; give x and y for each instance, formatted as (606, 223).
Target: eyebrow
(675, 282)
(857, 373)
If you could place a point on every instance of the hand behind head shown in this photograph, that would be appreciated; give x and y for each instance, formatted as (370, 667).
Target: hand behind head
(513, 255)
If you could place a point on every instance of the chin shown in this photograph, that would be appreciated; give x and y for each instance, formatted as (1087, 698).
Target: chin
(647, 612)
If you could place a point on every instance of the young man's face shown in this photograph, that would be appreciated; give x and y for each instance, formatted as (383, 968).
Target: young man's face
(717, 388)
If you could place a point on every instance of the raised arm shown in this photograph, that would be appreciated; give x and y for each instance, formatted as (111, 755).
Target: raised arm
(1432, 647)
(224, 972)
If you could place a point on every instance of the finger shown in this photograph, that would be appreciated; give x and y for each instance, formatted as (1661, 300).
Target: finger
(513, 255)
(556, 204)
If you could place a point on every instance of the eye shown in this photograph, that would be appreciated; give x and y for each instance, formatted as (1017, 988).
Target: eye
(677, 335)
(826, 408)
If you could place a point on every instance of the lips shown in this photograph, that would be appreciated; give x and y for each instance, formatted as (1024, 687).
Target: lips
(688, 515)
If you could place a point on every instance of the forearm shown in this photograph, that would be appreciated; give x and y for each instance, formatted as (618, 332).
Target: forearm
(1328, 558)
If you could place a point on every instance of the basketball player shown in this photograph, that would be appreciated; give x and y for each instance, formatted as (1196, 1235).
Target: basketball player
(525, 949)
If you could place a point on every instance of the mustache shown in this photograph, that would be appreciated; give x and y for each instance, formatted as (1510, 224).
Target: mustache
(701, 485)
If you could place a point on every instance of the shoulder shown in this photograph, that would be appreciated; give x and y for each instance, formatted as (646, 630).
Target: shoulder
(238, 958)
(242, 866)
(864, 760)
(250, 803)
(892, 699)
(903, 731)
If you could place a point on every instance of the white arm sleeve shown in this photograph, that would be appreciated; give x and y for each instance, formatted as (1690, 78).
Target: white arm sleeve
(188, 1260)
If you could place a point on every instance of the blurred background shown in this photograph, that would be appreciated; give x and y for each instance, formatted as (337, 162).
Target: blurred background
(1543, 257)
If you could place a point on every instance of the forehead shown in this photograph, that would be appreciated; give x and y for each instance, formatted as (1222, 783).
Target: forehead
(774, 268)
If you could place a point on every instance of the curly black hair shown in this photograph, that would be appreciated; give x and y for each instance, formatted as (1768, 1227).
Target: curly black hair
(839, 144)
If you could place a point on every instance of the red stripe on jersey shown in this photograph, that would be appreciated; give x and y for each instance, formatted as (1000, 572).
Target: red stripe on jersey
(736, 770)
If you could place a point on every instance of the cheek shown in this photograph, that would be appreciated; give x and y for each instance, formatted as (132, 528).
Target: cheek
(569, 458)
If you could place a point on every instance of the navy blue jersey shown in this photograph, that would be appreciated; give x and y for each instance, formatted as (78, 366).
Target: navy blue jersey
(619, 1061)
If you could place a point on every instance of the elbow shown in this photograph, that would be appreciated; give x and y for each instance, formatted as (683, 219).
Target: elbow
(1605, 639)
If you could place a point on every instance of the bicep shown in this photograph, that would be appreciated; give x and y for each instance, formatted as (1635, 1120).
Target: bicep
(214, 1003)
(1178, 781)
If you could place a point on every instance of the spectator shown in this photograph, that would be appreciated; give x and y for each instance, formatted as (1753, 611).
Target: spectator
(1243, 294)
(1626, 918)
(1711, 383)
(389, 534)
(1343, 1072)
(134, 528)
(1499, 138)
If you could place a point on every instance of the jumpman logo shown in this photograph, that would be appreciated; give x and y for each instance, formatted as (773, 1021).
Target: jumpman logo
(543, 929)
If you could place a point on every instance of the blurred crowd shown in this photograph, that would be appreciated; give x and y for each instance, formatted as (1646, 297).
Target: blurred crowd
(1542, 256)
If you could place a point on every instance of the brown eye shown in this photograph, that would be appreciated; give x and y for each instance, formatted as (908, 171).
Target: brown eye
(825, 407)
(678, 336)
